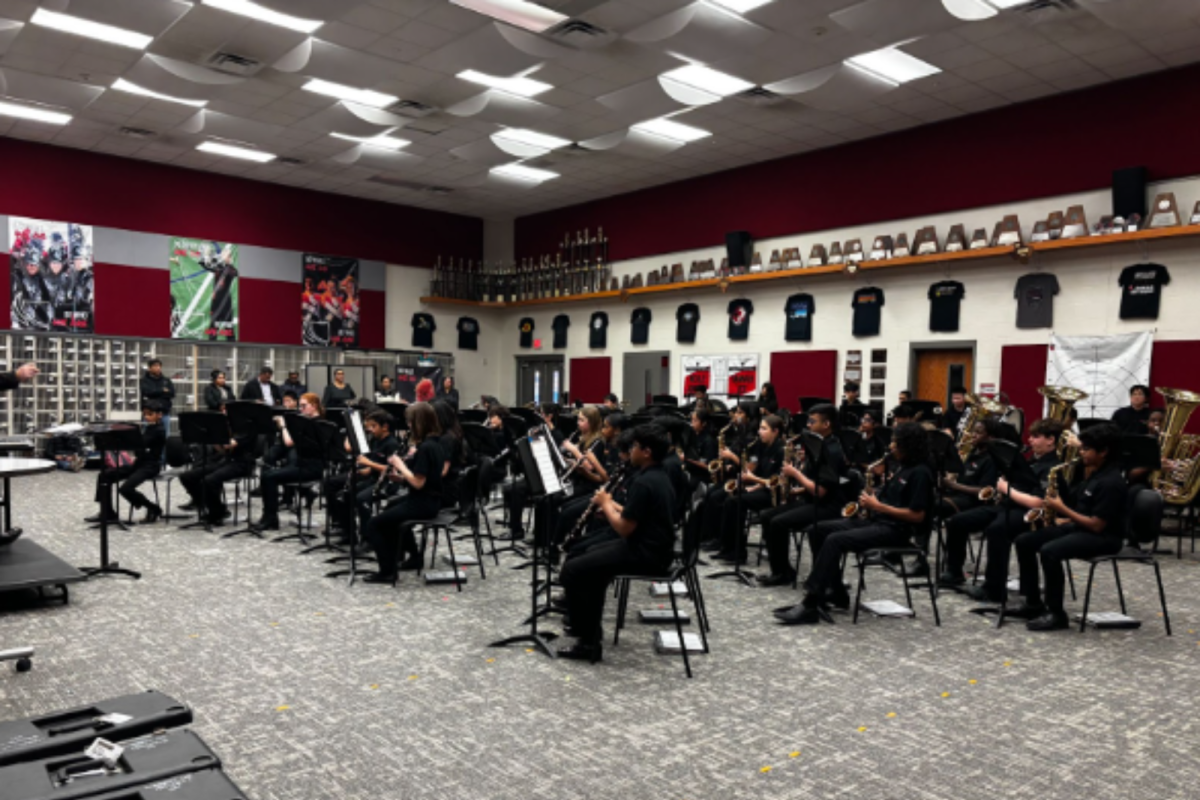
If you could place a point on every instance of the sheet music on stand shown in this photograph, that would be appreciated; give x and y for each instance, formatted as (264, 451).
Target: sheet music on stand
(547, 469)
(359, 440)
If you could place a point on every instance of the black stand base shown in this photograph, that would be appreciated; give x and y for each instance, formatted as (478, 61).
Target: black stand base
(737, 572)
(111, 568)
(539, 640)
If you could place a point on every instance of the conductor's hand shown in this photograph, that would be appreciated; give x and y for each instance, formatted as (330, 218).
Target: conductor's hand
(25, 372)
(601, 497)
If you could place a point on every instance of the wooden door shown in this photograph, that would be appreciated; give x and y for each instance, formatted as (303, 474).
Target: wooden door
(934, 370)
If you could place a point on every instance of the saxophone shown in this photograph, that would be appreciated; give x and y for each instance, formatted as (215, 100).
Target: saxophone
(732, 484)
(1043, 517)
(784, 485)
(851, 510)
(716, 467)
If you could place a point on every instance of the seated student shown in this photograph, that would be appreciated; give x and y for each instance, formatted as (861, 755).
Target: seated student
(820, 497)
(739, 435)
(204, 481)
(896, 515)
(369, 468)
(1007, 521)
(144, 468)
(703, 450)
(646, 527)
(850, 414)
(874, 443)
(1133, 417)
(951, 418)
(454, 450)
(1090, 521)
(597, 531)
(612, 402)
(979, 471)
(299, 467)
(496, 414)
(592, 473)
(765, 460)
(422, 473)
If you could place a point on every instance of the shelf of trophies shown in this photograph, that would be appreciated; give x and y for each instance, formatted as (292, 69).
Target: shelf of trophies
(1059, 232)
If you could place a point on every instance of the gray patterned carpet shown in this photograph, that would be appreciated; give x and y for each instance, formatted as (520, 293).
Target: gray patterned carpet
(312, 689)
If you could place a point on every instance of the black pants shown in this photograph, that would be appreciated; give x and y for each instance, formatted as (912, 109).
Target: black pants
(597, 536)
(999, 535)
(516, 495)
(585, 580)
(1053, 546)
(832, 540)
(779, 523)
(272, 479)
(958, 531)
(203, 483)
(733, 518)
(362, 490)
(568, 514)
(131, 476)
(384, 529)
(708, 516)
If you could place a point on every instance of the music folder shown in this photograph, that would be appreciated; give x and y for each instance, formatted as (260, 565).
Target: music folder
(540, 470)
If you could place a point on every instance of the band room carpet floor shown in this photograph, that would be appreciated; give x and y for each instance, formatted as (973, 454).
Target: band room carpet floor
(311, 689)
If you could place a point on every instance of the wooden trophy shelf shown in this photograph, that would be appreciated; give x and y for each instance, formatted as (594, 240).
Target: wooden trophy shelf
(802, 273)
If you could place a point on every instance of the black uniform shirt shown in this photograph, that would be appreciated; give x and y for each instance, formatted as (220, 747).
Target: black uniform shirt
(1102, 495)
(651, 504)
(911, 488)
(1132, 420)
(979, 470)
(767, 459)
(428, 461)
(706, 446)
(154, 439)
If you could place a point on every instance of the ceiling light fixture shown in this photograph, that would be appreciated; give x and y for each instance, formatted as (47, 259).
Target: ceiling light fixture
(520, 13)
(740, 6)
(523, 173)
(123, 85)
(383, 140)
(79, 26)
(364, 97)
(1003, 4)
(892, 65)
(220, 149)
(246, 8)
(531, 138)
(669, 129)
(32, 112)
(521, 87)
(707, 79)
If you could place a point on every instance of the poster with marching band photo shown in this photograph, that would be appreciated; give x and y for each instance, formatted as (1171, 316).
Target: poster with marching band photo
(723, 376)
(329, 305)
(204, 290)
(53, 281)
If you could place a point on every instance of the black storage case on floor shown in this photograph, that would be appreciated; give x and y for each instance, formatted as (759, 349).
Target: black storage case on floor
(209, 784)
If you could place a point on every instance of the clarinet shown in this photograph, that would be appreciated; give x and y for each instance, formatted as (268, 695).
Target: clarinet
(388, 471)
(581, 524)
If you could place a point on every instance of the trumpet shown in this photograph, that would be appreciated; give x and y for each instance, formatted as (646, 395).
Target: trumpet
(851, 510)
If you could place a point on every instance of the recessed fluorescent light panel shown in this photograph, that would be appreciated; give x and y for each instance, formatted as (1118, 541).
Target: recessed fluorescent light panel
(893, 65)
(520, 13)
(669, 129)
(92, 30)
(384, 141)
(123, 85)
(708, 80)
(522, 87)
(246, 8)
(740, 6)
(1008, 3)
(217, 148)
(34, 113)
(364, 97)
(523, 173)
(531, 138)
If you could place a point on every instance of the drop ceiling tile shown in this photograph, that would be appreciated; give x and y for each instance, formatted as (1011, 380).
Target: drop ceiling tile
(1079, 80)
(1008, 82)
(1178, 58)
(425, 34)
(959, 57)
(981, 70)
(372, 18)
(1037, 56)
(1094, 42)
(1116, 55)
(1029, 92)
(346, 35)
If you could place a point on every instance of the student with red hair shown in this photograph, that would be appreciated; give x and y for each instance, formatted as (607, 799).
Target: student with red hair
(425, 391)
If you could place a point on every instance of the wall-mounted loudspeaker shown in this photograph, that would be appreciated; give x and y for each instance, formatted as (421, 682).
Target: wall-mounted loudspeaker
(1129, 192)
(739, 248)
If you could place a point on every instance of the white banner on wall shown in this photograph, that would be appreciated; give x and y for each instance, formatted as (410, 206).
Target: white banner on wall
(721, 375)
(1103, 366)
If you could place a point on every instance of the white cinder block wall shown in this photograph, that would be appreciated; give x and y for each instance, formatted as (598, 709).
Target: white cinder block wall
(1087, 303)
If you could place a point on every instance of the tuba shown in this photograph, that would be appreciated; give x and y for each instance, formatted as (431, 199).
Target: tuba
(978, 408)
(1180, 482)
(1062, 400)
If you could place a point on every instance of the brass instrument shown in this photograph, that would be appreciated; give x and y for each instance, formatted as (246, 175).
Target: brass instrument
(783, 486)
(716, 467)
(978, 408)
(731, 485)
(1044, 517)
(1061, 399)
(851, 510)
(1179, 484)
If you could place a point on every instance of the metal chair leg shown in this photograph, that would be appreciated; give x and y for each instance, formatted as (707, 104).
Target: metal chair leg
(1120, 591)
(1087, 599)
(1162, 598)
(687, 665)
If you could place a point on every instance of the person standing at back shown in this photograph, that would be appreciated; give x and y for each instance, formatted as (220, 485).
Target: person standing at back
(159, 388)
(263, 390)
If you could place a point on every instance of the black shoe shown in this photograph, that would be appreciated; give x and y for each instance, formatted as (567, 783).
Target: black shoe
(800, 615)
(411, 564)
(951, 580)
(1050, 621)
(190, 505)
(213, 520)
(266, 524)
(919, 568)
(363, 550)
(1025, 611)
(980, 594)
(224, 513)
(379, 577)
(580, 651)
(111, 518)
(153, 515)
(839, 600)
(775, 580)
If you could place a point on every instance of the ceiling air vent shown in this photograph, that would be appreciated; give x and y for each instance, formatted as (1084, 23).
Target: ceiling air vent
(414, 186)
(581, 34)
(758, 96)
(411, 108)
(289, 161)
(137, 133)
(233, 64)
(1039, 11)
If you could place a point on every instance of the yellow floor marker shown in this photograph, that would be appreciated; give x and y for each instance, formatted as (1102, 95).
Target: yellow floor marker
(491, 661)
(412, 677)
(765, 769)
(972, 681)
(945, 694)
(891, 715)
(795, 754)
(283, 708)
(862, 728)
(374, 686)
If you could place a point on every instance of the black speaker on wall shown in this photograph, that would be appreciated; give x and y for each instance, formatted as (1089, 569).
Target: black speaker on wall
(1129, 192)
(739, 248)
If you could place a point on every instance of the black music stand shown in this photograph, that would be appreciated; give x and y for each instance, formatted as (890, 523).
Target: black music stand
(543, 477)
(924, 410)
(245, 419)
(205, 429)
(351, 556)
(113, 439)
(312, 438)
(745, 576)
(1020, 476)
(944, 458)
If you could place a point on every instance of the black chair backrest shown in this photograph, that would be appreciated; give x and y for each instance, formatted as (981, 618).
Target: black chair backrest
(691, 534)
(468, 486)
(178, 454)
(472, 415)
(489, 476)
(1144, 520)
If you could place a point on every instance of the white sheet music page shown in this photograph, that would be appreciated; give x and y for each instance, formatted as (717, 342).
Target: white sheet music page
(360, 435)
(541, 454)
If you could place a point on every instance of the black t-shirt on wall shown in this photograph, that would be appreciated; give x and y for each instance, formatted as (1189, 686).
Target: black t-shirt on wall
(1141, 288)
(468, 333)
(526, 326)
(598, 330)
(560, 325)
(1035, 300)
(640, 326)
(867, 305)
(687, 316)
(423, 327)
(944, 300)
(739, 318)
(799, 310)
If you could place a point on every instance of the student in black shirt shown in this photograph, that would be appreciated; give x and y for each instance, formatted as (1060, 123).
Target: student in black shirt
(454, 450)
(293, 384)
(339, 393)
(739, 436)
(766, 398)
(1133, 417)
(422, 472)
(158, 387)
(597, 459)
(1090, 518)
(899, 511)
(850, 414)
(1006, 520)
(819, 499)
(953, 415)
(368, 468)
(204, 482)
(448, 393)
(703, 451)
(645, 524)
(766, 459)
(144, 468)
(298, 467)
(874, 442)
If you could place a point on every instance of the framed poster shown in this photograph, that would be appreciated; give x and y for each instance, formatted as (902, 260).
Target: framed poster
(329, 306)
(204, 290)
(53, 282)
(723, 376)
